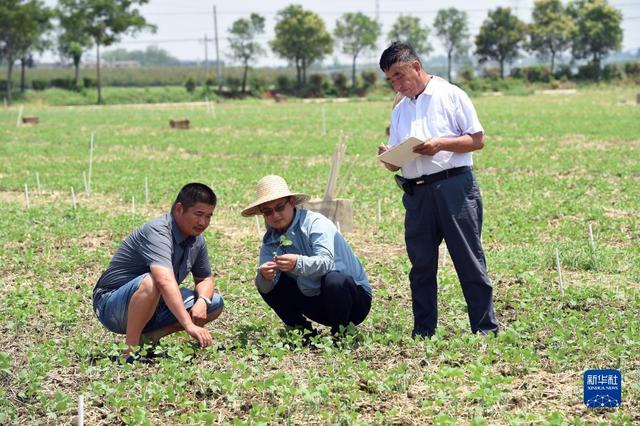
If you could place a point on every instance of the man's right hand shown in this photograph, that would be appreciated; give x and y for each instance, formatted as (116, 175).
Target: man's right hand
(200, 334)
(268, 270)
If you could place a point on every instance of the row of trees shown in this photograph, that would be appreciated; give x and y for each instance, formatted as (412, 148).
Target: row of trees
(589, 28)
(81, 24)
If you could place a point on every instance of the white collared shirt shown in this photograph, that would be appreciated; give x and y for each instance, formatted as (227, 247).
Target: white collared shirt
(442, 110)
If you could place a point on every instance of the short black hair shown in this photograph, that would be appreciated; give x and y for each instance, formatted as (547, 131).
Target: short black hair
(193, 193)
(397, 52)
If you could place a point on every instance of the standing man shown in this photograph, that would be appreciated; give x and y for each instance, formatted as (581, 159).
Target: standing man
(307, 270)
(139, 292)
(441, 198)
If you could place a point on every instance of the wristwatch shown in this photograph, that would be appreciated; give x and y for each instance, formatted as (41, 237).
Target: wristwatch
(206, 300)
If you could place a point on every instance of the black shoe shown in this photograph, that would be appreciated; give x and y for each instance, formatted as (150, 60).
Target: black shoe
(137, 358)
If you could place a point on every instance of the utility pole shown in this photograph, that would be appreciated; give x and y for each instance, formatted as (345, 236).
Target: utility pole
(206, 56)
(219, 66)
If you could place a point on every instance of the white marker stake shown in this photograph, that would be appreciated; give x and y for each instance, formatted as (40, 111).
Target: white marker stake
(86, 184)
(379, 216)
(258, 230)
(146, 190)
(206, 100)
(81, 410)
(559, 272)
(133, 205)
(73, 198)
(338, 226)
(93, 136)
(591, 240)
(26, 195)
(38, 183)
(213, 109)
(5, 103)
(324, 121)
(19, 120)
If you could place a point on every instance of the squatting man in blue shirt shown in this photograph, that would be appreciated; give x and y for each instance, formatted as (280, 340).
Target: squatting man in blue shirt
(307, 270)
(442, 199)
(139, 295)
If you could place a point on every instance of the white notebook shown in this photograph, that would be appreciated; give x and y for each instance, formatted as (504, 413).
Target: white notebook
(402, 153)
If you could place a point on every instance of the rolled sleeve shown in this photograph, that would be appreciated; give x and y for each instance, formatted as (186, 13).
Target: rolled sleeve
(466, 115)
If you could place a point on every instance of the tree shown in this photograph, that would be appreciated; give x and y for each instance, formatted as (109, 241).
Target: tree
(22, 25)
(500, 38)
(73, 38)
(356, 32)
(302, 38)
(596, 31)
(243, 33)
(107, 20)
(453, 30)
(408, 29)
(550, 31)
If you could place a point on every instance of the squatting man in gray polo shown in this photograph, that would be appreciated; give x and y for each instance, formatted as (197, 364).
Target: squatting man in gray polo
(138, 295)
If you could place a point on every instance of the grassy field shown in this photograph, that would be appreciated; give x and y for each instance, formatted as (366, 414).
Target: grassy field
(552, 166)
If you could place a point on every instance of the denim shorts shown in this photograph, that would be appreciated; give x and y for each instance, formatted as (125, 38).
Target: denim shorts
(112, 308)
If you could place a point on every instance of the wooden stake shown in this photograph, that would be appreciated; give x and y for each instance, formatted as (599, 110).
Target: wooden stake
(80, 410)
(379, 215)
(38, 183)
(347, 175)
(213, 109)
(133, 205)
(86, 184)
(5, 103)
(591, 240)
(93, 137)
(336, 162)
(146, 190)
(73, 198)
(19, 120)
(26, 195)
(559, 272)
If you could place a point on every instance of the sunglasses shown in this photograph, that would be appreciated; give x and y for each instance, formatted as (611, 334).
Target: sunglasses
(277, 209)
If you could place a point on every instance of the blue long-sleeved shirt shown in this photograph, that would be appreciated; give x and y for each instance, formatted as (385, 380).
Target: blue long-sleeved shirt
(320, 249)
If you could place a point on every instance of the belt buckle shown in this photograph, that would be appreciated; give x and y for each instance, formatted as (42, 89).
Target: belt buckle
(419, 182)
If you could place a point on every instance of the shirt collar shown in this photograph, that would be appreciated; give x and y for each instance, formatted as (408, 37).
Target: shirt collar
(428, 89)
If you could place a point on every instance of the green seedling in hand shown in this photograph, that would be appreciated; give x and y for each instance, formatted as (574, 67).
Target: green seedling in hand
(284, 242)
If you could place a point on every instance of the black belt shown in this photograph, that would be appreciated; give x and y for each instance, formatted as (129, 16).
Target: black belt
(407, 184)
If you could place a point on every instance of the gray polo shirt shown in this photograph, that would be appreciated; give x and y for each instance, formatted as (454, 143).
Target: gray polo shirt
(157, 242)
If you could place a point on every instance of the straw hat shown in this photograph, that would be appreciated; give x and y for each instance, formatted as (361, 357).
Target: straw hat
(271, 188)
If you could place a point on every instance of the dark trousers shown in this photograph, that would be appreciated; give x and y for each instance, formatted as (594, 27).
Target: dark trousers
(449, 209)
(340, 302)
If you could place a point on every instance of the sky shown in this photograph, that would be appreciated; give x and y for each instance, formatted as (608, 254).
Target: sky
(182, 25)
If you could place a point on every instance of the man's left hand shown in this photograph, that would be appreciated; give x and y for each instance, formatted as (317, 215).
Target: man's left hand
(286, 262)
(429, 147)
(199, 313)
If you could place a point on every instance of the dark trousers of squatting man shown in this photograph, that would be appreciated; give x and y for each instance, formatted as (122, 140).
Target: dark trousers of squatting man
(451, 209)
(340, 302)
